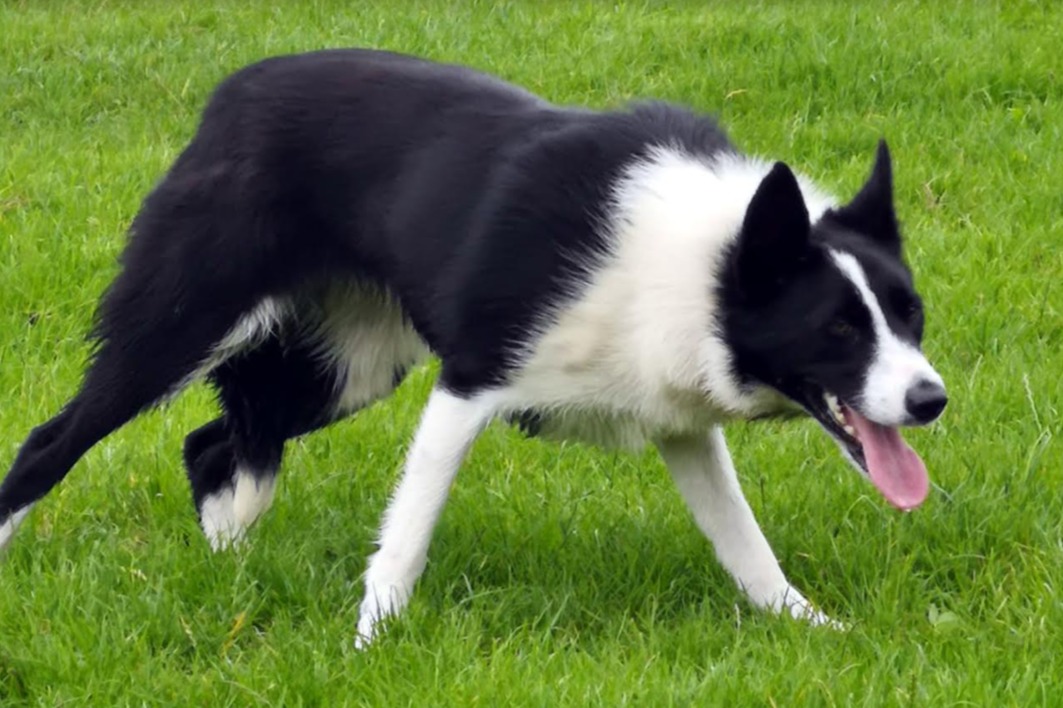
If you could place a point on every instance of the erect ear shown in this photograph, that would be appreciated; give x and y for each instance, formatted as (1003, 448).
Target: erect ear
(775, 235)
(871, 211)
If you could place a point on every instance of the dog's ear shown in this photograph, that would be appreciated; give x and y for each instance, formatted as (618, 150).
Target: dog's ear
(871, 211)
(774, 238)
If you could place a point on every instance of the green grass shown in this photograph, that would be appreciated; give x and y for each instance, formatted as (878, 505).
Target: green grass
(559, 575)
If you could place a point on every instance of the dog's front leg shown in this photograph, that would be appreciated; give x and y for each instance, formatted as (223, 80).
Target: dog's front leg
(448, 427)
(702, 469)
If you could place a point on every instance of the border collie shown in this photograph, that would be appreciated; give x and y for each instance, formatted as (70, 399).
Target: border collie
(621, 278)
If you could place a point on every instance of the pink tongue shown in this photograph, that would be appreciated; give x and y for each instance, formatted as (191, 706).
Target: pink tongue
(895, 468)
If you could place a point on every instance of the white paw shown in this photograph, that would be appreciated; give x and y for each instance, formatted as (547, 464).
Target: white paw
(381, 602)
(252, 497)
(225, 538)
(219, 522)
(364, 634)
(226, 514)
(818, 619)
(791, 600)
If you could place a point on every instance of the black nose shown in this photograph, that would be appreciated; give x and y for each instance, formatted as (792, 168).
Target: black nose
(925, 401)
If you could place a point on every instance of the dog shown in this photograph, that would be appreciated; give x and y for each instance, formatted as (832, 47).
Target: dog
(621, 277)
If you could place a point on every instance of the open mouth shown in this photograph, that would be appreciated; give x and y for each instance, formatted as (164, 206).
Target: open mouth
(877, 450)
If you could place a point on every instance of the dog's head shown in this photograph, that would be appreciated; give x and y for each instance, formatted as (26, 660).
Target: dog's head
(826, 314)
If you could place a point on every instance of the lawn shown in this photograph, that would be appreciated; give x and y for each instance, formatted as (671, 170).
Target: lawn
(559, 575)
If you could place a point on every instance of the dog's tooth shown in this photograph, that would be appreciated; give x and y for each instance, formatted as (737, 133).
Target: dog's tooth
(850, 430)
(832, 402)
(835, 408)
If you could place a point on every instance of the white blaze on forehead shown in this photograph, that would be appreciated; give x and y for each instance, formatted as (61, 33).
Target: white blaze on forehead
(896, 365)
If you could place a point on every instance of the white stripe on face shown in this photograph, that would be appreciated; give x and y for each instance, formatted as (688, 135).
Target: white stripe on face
(896, 367)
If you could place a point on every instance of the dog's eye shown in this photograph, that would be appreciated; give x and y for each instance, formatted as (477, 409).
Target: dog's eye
(915, 319)
(842, 329)
(908, 307)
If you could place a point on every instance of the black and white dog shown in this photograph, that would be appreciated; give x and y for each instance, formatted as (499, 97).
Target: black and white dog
(620, 278)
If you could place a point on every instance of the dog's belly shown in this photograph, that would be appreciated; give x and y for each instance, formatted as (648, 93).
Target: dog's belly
(610, 430)
(599, 429)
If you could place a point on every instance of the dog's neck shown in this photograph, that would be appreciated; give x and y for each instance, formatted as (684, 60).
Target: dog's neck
(645, 331)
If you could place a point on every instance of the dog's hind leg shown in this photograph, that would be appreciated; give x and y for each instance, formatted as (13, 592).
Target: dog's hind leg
(270, 394)
(352, 347)
(210, 464)
(702, 469)
(230, 490)
(171, 314)
(125, 377)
